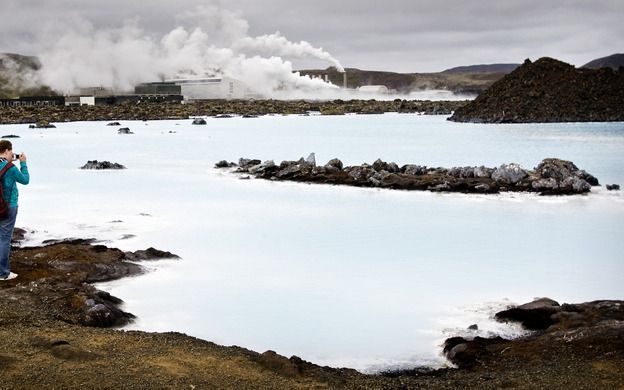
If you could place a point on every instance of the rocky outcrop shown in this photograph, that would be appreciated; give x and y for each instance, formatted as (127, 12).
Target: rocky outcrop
(597, 324)
(95, 164)
(548, 90)
(222, 108)
(199, 121)
(551, 177)
(61, 273)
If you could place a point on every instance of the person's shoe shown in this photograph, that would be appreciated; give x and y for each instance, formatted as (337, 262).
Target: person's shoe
(10, 276)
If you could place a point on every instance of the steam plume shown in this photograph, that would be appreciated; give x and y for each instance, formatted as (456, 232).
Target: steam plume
(121, 58)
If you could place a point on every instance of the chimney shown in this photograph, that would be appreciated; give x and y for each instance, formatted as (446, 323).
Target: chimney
(344, 80)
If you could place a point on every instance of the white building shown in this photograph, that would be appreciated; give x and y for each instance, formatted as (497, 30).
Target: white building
(211, 88)
(378, 89)
(80, 100)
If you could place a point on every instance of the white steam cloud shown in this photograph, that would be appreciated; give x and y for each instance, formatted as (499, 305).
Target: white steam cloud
(210, 42)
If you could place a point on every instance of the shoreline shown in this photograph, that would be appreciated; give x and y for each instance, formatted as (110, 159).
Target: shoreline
(57, 337)
(220, 109)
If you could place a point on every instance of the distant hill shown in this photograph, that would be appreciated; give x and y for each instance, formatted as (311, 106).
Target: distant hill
(18, 76)
(549, 90)
(471, 83)
(484, 68)
(613, 61)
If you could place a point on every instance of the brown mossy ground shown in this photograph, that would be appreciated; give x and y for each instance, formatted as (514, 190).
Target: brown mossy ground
(46, 344)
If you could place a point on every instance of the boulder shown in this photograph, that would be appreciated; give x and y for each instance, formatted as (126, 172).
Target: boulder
(311, 159)
(534, 315)
(199, 121)
(414, 170)
(380, 165)
(113, 124)
(263, 168)
(509, 173)
(393, 168)
(95, 164)
(575, 185)
(360, 174)
(335, 163)
(555, 168)
(224, 164)
(482, 172)
(124, 130)
(247, 162)
(545, 185)
(149, 254)
(613, 187)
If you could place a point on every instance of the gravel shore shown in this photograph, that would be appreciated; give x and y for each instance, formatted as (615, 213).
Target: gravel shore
(57, 333)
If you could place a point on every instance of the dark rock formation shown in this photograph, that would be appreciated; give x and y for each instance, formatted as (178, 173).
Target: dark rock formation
(10, 136)
(549, 91)
(224, 164)
(199, 121)
(613, 187)
(533, 315)
(551, 177)
(124, 130)
(149, 254)
(596, 327)
(95, 164)
(113, 124)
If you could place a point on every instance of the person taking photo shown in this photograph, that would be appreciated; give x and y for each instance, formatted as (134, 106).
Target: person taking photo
(11, 175)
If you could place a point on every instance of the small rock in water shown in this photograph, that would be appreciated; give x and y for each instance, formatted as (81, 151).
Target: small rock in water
(95, 164)
(199, 121)
(113, 124)
(124, 130)
(613, 187)
(224, 164)
(474, 327)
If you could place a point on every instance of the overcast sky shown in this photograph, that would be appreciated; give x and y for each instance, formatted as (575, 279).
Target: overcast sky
(394, 35)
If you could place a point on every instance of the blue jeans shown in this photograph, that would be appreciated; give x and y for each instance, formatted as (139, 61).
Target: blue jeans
(6, 234)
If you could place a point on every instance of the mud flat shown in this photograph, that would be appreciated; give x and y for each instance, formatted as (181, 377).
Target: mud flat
(57, 333)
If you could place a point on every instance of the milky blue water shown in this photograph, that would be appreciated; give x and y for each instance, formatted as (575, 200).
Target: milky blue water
(363, 278)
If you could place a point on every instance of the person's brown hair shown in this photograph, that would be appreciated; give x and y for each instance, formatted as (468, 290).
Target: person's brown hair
(5, 145)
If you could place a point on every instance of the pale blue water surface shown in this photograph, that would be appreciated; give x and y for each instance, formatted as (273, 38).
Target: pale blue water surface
(363, 278)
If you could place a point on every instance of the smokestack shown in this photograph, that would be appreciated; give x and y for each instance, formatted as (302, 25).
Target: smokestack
(344, 80)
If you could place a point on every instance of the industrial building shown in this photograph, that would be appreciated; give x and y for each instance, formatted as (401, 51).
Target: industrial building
(197, 89)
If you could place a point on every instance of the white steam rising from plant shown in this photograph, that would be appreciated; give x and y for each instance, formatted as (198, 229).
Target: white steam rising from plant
(209, 42)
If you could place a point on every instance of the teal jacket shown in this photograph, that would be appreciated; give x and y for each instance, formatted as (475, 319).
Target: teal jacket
(9, 180)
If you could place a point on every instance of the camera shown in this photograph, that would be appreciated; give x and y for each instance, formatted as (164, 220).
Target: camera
(16, 156)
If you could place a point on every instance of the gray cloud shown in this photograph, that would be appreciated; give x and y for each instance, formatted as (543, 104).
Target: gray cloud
(399, 35)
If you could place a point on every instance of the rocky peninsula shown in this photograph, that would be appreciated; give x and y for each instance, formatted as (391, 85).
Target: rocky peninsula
(57, 333)
(551, 177)
(549, 90)
(221, 108)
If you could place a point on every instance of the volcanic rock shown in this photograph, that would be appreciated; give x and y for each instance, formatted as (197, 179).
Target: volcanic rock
(509, 173)
(549, 91)
(532, 315)
(95, 164)
(559, 176)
